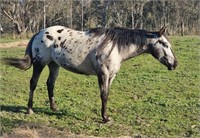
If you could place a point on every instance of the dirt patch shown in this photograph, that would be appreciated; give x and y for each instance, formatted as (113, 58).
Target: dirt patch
(22, 133)
(21, 43)
(44, 132)
(48, 132)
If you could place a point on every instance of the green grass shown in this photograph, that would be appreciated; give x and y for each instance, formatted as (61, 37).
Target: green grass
(7, 40)
(145, 99)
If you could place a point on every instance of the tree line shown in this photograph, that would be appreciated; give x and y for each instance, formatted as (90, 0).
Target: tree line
(182, 17)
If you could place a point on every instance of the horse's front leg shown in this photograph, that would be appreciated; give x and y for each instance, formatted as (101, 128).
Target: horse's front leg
(103, 79)
(53, 74)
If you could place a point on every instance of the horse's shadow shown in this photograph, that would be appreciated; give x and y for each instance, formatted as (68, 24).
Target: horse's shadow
(23, 109)
(37, 110)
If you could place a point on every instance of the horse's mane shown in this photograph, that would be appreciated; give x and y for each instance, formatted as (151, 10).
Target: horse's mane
(121, 36)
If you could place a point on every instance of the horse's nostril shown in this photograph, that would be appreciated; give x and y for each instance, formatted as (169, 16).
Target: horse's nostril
(172, 66)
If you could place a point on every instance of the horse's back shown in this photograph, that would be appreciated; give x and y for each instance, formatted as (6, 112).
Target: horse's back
(73, 50)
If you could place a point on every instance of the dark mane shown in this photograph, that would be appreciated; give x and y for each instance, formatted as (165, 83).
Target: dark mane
(122, 36)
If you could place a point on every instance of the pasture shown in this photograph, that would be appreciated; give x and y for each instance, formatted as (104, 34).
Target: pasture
(146, 100)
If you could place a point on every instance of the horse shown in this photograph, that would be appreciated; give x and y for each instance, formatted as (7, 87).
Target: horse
(98, 51)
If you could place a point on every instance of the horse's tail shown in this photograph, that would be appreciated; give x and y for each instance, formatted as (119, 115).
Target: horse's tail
(22, 63)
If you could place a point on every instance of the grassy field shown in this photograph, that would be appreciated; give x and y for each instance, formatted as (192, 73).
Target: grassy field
(7, 40)
(146, 100)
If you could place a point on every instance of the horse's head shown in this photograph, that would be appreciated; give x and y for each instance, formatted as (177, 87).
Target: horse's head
(160, 48)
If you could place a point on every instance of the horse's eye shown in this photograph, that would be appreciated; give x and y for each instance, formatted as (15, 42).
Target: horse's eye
(163, 43)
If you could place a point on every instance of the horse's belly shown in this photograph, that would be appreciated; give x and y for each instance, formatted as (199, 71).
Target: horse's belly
(77, 63)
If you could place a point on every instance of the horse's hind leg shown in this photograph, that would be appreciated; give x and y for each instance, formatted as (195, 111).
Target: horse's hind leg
(53, 74)
(37, 69)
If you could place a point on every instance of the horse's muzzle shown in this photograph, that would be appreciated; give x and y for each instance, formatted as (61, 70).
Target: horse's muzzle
(173, 66)
(170, 65)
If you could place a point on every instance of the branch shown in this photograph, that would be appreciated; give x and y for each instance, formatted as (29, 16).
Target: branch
(7, 15)
(56, 20)
(25, 29)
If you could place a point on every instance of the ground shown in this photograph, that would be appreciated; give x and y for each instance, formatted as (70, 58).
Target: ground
(20, 43)
(146, 100)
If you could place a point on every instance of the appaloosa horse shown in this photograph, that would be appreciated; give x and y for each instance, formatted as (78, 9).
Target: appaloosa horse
(99, 51)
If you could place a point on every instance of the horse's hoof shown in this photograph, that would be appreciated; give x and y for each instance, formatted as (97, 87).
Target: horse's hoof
(29, 111)
(105, 120)
(53, 108)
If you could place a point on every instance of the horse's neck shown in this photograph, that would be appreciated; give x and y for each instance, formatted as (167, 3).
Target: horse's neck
(131, 51)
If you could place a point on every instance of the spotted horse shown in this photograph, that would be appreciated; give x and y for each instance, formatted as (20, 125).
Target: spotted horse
(98, 51)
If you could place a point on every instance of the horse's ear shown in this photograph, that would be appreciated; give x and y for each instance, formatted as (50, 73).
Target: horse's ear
(162, 30)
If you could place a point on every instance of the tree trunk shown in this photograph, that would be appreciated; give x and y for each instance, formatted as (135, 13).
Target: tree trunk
(182, 27)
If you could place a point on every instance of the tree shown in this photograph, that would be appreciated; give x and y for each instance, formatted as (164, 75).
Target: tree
(181, 17)
(22, 15)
